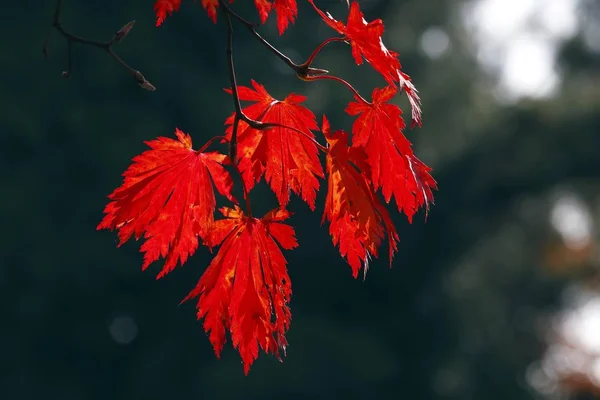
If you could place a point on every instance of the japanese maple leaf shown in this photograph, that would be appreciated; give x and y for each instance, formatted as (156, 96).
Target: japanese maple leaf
(264, 8)
(288, 159)
(286, 10)
(167, 195)
(162, 8)
(211, 8)
(393, 166)
(358, 219)
(246, 288)
(366, 42)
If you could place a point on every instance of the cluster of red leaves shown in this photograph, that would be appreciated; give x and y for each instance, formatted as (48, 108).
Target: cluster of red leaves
(168, 193)
(286, 10)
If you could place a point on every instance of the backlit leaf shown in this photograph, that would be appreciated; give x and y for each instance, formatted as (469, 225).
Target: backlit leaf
(393, 166)
(246, 289)
(288, 159)
(162, 8)
(358, 220)
(167, 196)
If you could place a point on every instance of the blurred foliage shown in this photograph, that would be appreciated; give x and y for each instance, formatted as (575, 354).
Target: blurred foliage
(458, 316)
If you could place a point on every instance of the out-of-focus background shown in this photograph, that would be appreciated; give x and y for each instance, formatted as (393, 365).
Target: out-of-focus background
(496, 296)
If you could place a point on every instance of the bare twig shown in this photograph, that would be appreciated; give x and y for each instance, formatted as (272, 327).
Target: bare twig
(106, 46)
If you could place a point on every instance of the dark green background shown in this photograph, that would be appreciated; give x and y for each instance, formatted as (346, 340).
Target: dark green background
(455, 318)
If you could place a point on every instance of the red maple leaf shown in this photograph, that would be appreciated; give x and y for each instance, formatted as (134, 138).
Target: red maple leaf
(365, 39)
(287, 11)
(264, 8)
(393, 165)
(246, 288)
(168, 196)
(211, 8)
(358, 219)
(162, 8)
(288, 159)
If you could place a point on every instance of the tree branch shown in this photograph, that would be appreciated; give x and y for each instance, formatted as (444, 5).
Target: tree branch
(301, 70)
(239, 114)
(106, 46)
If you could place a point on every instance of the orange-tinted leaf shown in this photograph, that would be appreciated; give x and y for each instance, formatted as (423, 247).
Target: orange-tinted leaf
(246, 288)
(167, 195)
(358, 220)
(162, 8)
(365, 39)
(393, 166)
(288, 159)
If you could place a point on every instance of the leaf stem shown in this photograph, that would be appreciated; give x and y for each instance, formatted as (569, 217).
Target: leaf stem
(268, 125)
(210, 141)
(107, 46)
(335, 78)
(316, 51)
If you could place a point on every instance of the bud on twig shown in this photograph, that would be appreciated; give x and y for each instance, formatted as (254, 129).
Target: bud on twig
(316, 71)
(124, 31)
(141, 80)
(107, 46)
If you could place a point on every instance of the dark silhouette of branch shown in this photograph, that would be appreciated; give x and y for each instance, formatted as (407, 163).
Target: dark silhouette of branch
(106, 46)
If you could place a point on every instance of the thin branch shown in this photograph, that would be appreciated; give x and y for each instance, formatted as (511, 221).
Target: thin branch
(238, 110)
(239, 114)
(301, 70)
(106, 46)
